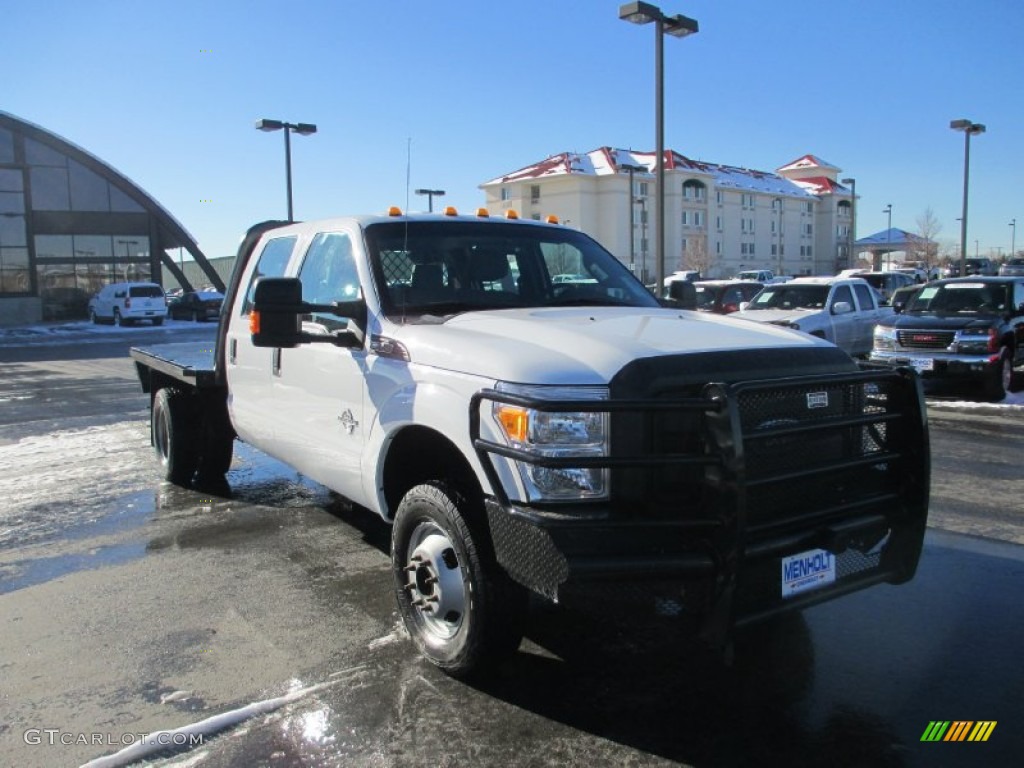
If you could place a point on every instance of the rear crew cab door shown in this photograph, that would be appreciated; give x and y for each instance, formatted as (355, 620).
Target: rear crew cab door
(249, 369)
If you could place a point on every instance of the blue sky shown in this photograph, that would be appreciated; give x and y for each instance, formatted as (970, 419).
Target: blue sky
(167, 93)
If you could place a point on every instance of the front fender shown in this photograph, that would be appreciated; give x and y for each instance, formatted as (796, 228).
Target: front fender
(426, 398)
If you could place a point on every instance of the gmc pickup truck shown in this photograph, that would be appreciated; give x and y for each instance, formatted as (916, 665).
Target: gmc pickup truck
(966, 329)
(841, 310)
(524, 434)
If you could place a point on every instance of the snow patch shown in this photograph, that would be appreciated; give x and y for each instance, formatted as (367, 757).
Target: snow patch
(158, 741)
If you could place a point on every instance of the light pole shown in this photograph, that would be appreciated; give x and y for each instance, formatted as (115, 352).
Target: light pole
(888, 234)
(643, 243)
(778, 237)
(303, 129)
(968, 128)
(1013, 238)
(632, 222)
(853, 220)
(431, 194)
(677, 26)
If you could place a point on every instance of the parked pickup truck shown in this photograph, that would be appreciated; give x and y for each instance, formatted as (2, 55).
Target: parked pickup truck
(841, 310)
(967, 329)
(526, 435)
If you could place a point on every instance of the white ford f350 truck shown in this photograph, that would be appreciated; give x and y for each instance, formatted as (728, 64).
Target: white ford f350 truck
(527, 434)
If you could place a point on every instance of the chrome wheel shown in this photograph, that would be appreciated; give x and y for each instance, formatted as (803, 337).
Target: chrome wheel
(435, 585)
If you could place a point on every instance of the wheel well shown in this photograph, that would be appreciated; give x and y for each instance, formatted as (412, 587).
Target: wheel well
(418, 455)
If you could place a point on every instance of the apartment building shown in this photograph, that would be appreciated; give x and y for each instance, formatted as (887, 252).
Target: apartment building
(718, 218)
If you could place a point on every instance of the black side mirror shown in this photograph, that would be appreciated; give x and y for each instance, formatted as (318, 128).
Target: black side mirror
(276, 311)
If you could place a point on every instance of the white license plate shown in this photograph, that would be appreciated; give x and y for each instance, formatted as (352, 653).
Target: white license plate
(809, 570)
(922, 363)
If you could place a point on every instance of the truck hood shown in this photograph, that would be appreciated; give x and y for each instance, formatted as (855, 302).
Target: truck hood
(940, 322)
(779, 315)
(585, 345)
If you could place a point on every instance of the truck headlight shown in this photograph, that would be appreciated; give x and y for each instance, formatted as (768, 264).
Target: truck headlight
(885, 339)
(557, 434)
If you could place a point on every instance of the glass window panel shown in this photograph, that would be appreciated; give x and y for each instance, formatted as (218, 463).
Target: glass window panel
(50, 189)
(135, 272)
(273, 262)
(97, 247)
(90, 278)
(12, 202)
(131, 247)
(53, 247)
(40, 154)
(10, 180)
(12, 231)
(14, 257)
(121, 203)
(6, 146)
(14, 275)
(89, 191)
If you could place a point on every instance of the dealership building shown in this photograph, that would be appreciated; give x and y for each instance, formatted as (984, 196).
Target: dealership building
(70, 224)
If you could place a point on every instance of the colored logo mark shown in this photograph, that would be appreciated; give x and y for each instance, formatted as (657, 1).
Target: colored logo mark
(958, 730)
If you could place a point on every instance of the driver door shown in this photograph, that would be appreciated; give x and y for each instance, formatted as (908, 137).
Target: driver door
(318, 389)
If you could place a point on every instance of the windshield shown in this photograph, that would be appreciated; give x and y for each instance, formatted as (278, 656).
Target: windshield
(443, 268)
(790, 296)
(961, 298)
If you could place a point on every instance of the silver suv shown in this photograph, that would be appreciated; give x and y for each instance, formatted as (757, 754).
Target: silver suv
(124, 303)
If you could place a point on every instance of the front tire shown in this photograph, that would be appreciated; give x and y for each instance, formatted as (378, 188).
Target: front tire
(173, 433)
(462, 612)
(1001, 376)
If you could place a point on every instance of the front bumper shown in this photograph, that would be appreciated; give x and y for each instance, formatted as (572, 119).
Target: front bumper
(936, 364)
(728, 553)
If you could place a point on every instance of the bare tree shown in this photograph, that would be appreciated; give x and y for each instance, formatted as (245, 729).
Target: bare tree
(696, 256)
(925, 248)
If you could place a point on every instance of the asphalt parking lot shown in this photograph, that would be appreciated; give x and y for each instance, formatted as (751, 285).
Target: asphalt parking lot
(263, 619)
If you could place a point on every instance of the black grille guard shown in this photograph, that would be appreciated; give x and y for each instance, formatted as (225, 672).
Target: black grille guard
(880, 434)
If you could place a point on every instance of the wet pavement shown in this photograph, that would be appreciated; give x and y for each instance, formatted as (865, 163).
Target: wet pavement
(130, 605)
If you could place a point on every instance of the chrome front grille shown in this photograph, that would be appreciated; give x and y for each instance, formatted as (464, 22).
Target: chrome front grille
(925, 339)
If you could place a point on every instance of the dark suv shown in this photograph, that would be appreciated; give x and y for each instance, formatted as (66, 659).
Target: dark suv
(965, 328)
(724, 297)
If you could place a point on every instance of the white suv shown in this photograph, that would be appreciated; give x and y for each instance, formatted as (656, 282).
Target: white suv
(124, 303)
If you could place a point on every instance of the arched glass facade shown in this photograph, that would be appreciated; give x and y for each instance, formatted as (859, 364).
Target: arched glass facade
(69, 224)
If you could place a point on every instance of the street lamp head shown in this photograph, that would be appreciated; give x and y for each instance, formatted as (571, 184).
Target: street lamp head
(304, 129)
(640, 13)
(435, 192)
(269, 125)
(680, 26)
(967, 126)
(848, 181)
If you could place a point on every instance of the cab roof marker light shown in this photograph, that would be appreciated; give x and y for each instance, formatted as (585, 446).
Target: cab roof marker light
(483, 213)
(394, 210)
(511, 213)
(450, 210)
(551, 219)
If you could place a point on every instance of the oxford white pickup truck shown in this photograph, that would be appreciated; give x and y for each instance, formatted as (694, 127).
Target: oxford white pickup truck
(841, 310)
(527, 434)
